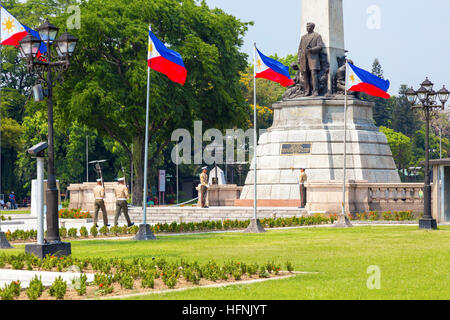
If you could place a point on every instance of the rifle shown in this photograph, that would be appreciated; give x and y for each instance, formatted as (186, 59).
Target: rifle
(98, 169)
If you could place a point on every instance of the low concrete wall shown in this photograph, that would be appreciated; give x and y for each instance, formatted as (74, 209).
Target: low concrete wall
(362, 196)
(82, 197)
(221, 195)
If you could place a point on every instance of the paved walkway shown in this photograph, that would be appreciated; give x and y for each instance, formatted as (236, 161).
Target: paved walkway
(7, 276)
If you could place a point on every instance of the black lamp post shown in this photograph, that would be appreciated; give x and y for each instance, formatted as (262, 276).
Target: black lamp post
(427, 98)
(48, 67)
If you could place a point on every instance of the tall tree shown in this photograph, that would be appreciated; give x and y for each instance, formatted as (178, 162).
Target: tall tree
(404, 118)
(105, 87)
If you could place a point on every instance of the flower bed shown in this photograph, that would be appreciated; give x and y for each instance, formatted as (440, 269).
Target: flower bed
(73, 214)
(205, 226)
(118, 276)
(385, 216)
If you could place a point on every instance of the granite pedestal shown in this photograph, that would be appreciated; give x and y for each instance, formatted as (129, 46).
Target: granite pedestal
(59, 249)
(309, 133)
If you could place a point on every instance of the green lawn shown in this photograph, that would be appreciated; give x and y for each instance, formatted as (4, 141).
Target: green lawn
(414, 264)
(11, 212)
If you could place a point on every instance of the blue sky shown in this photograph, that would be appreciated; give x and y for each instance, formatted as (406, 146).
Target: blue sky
(412, 42)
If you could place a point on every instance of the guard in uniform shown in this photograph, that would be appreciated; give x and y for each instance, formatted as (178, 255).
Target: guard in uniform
(121, 202)
(303, 178)
(204, 186)
(99, 194)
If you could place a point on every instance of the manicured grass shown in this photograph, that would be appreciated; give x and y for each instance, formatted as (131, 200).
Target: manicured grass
(414, 264)
(11, 212)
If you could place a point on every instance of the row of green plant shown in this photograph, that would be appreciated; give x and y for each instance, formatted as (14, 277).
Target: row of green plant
(128, 273)
(386, 216)
(175, 227)
(3, 218)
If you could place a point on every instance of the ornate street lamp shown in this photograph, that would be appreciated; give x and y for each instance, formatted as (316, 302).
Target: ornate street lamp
(48, 67)
(427, 99)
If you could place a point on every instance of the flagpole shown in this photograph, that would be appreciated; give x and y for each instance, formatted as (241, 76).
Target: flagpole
(144, 202)
(345, 144)
(343, 221)
(255, 141)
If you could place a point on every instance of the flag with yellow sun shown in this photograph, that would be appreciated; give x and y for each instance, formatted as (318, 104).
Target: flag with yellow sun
(12, 31)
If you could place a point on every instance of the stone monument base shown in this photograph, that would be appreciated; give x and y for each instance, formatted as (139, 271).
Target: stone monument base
(59, 249)
(4, 244)
(255, 226)
(144, 233)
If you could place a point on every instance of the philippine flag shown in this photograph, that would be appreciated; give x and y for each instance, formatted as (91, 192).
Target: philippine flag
(12, 31)
(363, 81)
(270, 69)
(165, 60)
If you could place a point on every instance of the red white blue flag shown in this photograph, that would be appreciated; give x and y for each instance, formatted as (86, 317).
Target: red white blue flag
(270, 69)
(165, 60)
(12, 32)
(363, 81)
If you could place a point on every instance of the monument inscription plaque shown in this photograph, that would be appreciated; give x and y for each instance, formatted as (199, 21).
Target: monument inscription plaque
(293, 149)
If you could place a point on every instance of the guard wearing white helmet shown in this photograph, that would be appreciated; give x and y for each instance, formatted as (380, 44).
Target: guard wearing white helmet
(121, 202)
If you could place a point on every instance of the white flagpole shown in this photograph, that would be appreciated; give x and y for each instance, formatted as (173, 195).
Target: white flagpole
(144, 200)
(345, 143)
(255, 141)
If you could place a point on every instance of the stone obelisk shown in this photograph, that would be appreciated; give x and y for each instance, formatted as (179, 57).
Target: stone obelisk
(328, 16)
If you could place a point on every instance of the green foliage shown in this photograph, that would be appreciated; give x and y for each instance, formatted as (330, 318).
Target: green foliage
(84, 232)
(73, 232)
(80, 284)
(400, 146)
(94, 231)
(126, 281)
(35, 288)
(148, 280)
(104, 230)
(58, 288)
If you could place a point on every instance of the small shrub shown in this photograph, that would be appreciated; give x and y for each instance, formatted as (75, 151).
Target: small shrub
(263, 272)
(289, 266)
(133, 229)
(35, 288)
(252, 269)
(6, 293)
(73, 232)
(237, 274)
(148, 280)
(116, 230)
(17, 264)
(94, 231)
(104, 230)
(126, 281)
(15, 288)
(63, 232)
(84, 232)
(58, 288)
(80, 284)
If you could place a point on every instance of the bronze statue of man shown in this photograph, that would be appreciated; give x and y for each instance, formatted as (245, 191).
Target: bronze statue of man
(311, 45)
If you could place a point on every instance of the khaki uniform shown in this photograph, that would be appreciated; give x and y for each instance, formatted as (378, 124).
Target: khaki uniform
(121, 203)
(303, 179)
(99, 195)
(203, 188)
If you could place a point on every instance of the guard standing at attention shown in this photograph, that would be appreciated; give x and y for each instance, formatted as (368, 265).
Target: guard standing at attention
(121, 202)
(302, 180)
(99, 194)
(204, 186)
